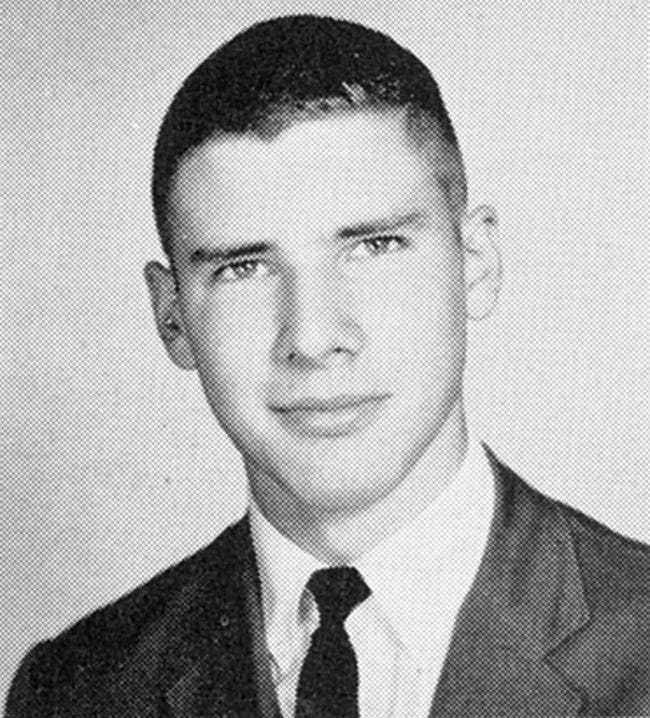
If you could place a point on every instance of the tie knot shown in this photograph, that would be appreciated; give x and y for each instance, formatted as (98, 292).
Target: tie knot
(337, 591)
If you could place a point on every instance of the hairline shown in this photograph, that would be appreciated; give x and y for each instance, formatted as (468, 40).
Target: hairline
(420, 127)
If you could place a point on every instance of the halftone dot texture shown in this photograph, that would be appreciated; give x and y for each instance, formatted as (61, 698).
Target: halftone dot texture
(112, 467)
(298, 67)
(329, 677)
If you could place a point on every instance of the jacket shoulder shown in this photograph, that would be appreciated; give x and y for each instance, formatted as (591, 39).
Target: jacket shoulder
(615, 569)
(103, 641)
(610, 654)
(122, 621)
(612, 566)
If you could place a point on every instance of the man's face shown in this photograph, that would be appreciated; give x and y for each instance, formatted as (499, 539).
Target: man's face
(321, 298)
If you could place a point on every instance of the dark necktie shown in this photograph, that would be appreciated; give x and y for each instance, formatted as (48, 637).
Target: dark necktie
(329, 680)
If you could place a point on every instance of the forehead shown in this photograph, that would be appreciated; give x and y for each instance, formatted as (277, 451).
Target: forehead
(312, 177)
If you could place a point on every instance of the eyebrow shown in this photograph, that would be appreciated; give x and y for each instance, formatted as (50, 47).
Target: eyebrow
(203, 255)
(380, 226)
(208, 254)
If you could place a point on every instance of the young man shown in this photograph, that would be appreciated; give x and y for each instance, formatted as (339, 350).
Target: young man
(310, 196)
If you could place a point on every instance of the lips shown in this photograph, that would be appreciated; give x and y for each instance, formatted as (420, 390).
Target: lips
(329, 416)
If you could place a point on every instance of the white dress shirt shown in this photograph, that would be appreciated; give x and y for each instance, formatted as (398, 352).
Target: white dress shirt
(418, 576)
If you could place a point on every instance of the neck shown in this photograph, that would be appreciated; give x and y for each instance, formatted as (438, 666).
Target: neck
(339, 537)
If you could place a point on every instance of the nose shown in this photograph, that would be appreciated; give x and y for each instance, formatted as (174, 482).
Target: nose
(316, 326)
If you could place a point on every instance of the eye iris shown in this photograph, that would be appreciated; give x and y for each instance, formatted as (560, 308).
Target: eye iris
(381, 244)
(237, 270)
(243, 269)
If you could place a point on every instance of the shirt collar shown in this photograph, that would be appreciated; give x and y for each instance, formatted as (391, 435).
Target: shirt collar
(418, 575)
(284, 571)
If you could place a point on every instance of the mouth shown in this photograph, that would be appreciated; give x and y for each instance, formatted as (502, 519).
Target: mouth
(330, 417)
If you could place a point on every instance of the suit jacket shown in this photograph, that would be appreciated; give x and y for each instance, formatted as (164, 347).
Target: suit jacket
(557, 623)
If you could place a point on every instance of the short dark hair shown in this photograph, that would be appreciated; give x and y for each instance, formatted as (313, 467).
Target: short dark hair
(286, 69)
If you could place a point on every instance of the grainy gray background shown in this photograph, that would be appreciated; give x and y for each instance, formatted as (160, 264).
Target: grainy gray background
(112, 466)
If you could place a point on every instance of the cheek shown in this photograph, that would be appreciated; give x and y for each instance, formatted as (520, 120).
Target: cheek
(232, 338)
(417, 317)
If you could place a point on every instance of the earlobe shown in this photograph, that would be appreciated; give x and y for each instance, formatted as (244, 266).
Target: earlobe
(482, 262)
(169, 322)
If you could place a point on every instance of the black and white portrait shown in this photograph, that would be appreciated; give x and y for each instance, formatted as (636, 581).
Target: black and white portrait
(326, 359)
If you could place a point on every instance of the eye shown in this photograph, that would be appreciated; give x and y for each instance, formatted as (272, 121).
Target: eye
(374, 246)
(236, 271)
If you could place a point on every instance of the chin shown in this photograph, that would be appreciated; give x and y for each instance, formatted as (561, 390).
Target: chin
(341, 492)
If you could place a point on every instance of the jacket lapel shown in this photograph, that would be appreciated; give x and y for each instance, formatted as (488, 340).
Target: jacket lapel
(230, 673)
(526, 600)
(205, 655)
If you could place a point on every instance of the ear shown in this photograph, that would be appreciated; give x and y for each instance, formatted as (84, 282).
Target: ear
(482, 261)
(169, 322)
